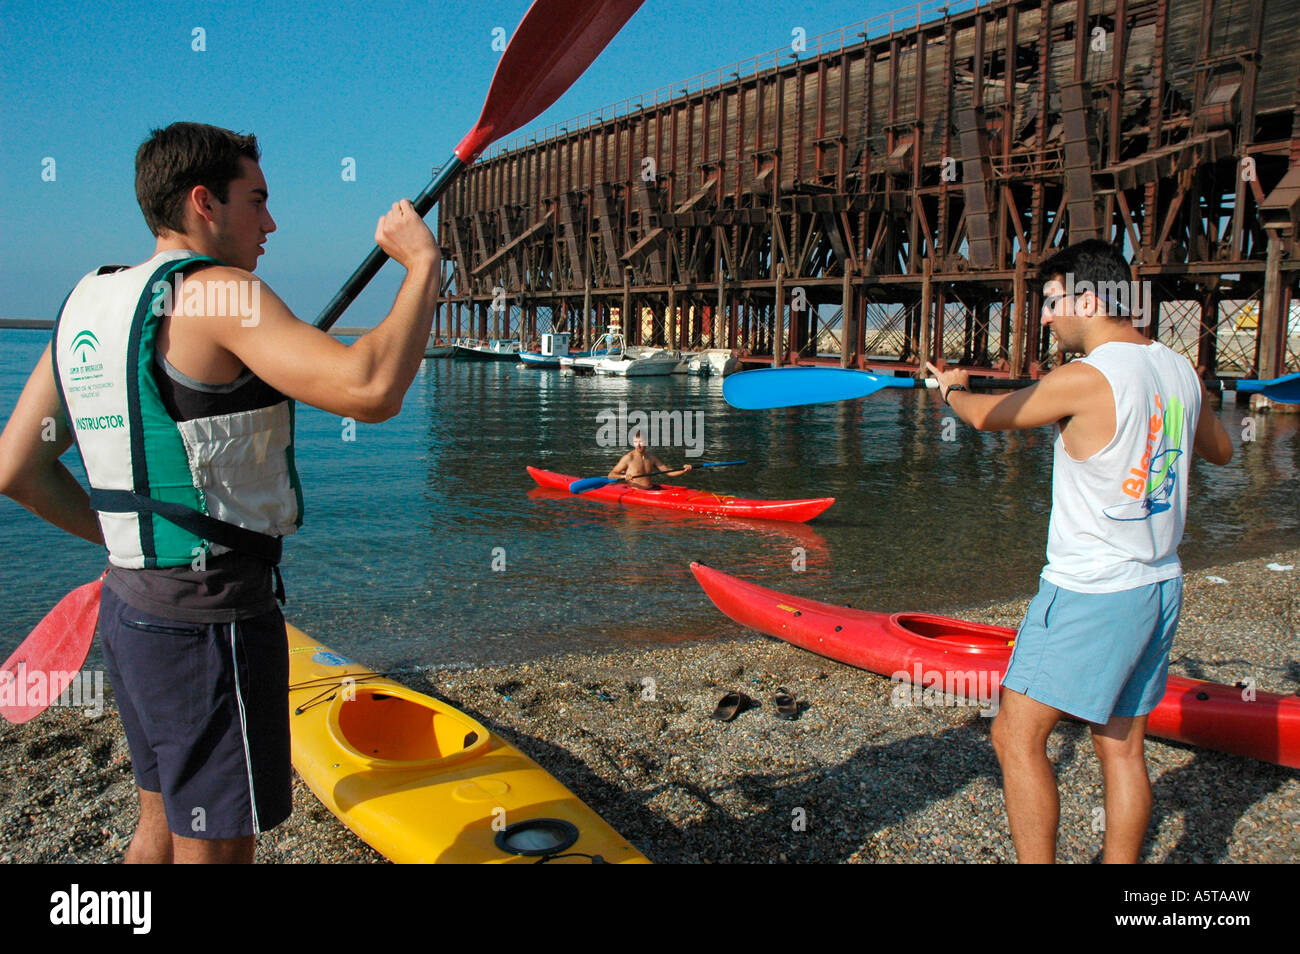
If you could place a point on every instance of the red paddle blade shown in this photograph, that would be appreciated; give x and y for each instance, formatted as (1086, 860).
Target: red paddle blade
(48, 660)
(554, 44)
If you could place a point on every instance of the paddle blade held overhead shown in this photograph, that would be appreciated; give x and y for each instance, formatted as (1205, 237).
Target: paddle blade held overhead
(787, 387)
(790, 387)
(50, 657)
(552, 46)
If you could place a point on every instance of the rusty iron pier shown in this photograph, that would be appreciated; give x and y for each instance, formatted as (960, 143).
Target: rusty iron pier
(884, 194)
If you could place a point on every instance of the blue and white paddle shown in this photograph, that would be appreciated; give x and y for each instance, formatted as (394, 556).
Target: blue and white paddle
(1285, 390)
(788, 387)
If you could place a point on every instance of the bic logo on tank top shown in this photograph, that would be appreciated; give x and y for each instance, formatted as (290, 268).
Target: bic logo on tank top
(1151, 481)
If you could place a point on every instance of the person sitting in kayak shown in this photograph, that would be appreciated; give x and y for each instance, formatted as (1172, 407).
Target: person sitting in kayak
(176, 378)
(635, 466)
(1095, 641)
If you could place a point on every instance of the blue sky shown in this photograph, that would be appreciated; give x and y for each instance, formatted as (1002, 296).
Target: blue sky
(395, 85)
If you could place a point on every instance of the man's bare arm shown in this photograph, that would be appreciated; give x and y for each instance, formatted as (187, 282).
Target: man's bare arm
(1211, 440)
(30, 471)
(365, 380)
(673, 471)
(1065, 392)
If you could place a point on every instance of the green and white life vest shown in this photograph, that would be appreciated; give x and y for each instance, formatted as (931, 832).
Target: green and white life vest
(166, 491)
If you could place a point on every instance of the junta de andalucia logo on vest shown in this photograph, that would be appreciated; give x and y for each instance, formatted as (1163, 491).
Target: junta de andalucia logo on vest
(84, 345)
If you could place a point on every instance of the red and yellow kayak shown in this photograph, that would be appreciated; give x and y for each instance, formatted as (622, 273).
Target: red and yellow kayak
(952, 655)
(687, 500)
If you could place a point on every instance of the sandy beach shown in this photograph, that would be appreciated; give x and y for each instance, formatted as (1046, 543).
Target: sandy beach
(854, 779)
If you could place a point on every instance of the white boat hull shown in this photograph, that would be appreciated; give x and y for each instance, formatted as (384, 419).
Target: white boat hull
(647, 363)
(715, 361)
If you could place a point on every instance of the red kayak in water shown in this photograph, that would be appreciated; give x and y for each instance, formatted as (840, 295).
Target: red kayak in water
(675, 497)
(968, 659)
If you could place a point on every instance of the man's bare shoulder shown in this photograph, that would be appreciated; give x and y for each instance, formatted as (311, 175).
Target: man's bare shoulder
(226, 291)
(1076, 376)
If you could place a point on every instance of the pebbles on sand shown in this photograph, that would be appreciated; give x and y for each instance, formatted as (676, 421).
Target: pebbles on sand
(854, 778)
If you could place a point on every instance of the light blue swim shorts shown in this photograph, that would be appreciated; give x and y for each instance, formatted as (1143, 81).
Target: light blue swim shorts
(1096, 655)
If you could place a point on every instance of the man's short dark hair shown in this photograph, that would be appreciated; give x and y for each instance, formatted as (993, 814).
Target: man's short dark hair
(1093, 261)
(174, 160)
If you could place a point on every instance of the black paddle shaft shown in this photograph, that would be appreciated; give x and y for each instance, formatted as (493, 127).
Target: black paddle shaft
(1001, 384)
(375, 260)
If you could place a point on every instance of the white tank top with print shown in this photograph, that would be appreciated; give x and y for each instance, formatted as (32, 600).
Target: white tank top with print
(1117, 517)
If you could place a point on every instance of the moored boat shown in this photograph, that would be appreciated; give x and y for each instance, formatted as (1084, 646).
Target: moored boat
(712, 362)
(611, 355)
(496, 349)
(439, 348)
(554, 348)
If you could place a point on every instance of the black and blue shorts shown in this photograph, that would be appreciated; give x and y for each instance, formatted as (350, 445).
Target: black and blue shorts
(206, 712)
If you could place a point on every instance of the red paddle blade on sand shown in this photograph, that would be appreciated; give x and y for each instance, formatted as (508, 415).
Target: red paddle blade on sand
(50, 658)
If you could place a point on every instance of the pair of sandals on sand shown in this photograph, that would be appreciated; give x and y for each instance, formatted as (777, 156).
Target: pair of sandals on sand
(734, 703)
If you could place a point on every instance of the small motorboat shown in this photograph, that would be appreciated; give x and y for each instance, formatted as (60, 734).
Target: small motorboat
(495, 349)
(718, 362)
(555, 347)
(613, 356)
(439, 348)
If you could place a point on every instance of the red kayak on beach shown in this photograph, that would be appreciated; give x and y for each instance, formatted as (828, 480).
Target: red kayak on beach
(968, 659)
(676, 497)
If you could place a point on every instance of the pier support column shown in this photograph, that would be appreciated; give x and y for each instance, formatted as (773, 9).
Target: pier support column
(778, 319)
(722, 316)
(580, 327)
(670, 319)
(625, 313)
(1018, 318)
(926, 350)
(1274, 311)
(1271, 316)
(847, 320)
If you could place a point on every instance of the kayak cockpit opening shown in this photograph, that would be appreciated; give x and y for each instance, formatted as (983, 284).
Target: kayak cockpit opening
(975, 636)
(397, 727)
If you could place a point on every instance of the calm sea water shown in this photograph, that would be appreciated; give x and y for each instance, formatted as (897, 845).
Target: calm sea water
(394, 564)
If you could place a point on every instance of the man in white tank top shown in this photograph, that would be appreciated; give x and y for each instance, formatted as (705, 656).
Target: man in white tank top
(1095, 641)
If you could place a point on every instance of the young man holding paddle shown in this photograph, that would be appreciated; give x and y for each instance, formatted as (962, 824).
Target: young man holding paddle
(175, 378)
(1095, 641)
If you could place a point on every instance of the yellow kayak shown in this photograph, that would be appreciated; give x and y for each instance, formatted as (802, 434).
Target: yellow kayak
(421, 781)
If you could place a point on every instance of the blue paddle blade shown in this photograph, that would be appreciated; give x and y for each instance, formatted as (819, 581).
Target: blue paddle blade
(590, 483)
(1285, 389)
(722, 463)
(788, 387)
